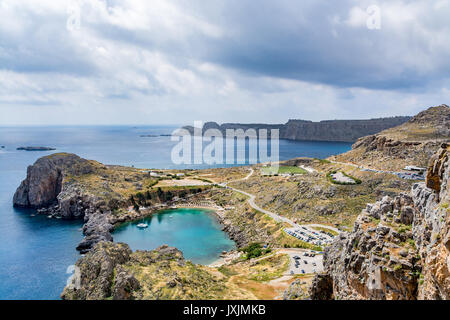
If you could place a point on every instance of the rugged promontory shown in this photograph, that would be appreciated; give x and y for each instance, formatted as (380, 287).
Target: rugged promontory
(44, 181)
(66, 186)
(327, 130)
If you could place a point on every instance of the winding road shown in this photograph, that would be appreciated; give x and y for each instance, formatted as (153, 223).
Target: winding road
(276, 217)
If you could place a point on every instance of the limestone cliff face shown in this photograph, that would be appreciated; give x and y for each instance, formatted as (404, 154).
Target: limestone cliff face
(399, 247)
(337, 130)
(431, 228)
(50, 188)
(329, 130)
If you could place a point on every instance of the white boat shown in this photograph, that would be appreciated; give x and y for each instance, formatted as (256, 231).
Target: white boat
(142, 225)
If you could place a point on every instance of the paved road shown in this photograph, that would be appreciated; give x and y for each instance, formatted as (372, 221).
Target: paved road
(276, 217)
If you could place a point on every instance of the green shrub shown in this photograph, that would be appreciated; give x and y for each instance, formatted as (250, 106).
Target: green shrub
(253, 250)
(397, 267)
(330, 178)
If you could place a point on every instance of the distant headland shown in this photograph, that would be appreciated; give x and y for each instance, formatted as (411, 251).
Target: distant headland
(327, 130)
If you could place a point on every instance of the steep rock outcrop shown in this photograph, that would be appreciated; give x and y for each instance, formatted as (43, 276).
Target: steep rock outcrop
(95, 273)
(51, 187)
(113, 271)
(45, 177)
(399, 247)
(431, 228)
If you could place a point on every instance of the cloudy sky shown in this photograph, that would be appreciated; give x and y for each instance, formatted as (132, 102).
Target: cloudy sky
(176, 61)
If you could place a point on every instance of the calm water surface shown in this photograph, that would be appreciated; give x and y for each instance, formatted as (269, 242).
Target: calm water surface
(196, 232)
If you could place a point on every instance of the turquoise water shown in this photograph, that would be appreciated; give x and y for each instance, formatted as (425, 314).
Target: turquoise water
(35, 252)
(196, 232)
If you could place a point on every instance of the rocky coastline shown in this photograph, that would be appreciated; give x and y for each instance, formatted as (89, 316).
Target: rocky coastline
(52, 188)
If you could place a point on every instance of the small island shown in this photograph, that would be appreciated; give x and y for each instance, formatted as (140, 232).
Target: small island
(36, 148)
(148, 136)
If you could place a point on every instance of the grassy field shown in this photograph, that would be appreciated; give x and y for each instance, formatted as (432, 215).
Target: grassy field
(282, 170)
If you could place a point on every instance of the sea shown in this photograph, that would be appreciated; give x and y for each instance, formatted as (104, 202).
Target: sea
(37, 253)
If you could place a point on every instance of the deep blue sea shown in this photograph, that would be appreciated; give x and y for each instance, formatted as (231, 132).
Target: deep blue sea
(35, 251)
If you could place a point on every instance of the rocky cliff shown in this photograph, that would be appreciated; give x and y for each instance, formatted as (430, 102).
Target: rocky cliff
(44, 179)
(399, 247)
(329, 130)
(67, 186)
(411, 143)
(113, 271)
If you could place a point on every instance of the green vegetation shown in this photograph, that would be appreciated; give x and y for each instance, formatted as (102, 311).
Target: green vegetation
(403, 228)
(397, 267)
(271, 268)
(330, 178)
(283, 170)
(323, 161)
(412, 243)
(304, 245)
(163, 194)
(254, 250)
(203, 179)
(227, 271)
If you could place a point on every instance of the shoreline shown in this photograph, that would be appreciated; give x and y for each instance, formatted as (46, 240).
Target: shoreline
(222, 260)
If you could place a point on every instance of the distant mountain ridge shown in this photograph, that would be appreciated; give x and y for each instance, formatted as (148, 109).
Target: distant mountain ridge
(326, 130)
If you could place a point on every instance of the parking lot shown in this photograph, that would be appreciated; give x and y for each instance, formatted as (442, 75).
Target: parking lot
(299, 263)
(310, 235)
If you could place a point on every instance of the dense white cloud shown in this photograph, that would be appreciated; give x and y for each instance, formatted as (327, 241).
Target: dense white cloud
(162, 61)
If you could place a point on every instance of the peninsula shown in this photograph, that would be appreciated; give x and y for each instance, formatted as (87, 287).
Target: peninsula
(327, 130)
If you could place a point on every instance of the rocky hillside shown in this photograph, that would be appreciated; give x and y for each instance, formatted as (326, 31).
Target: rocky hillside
(411, 143)
(113, 271)
(329, 130)
(399, 247)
